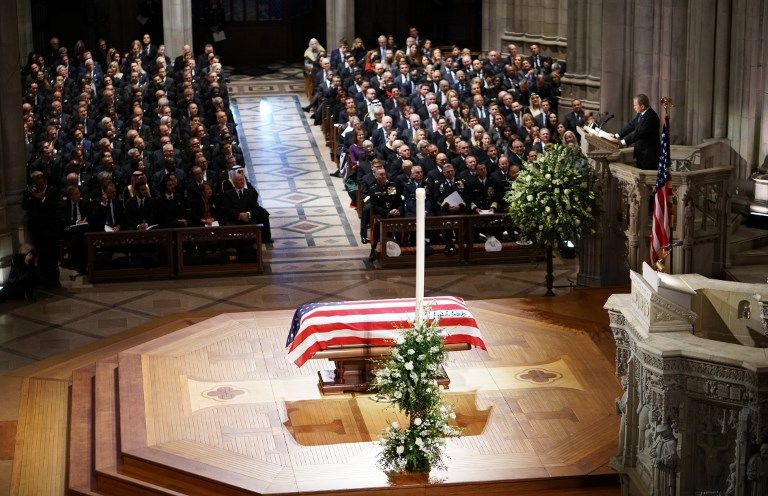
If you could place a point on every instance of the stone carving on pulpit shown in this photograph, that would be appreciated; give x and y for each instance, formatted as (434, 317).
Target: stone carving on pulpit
(757, 472)
(694, 412)
(665, 458)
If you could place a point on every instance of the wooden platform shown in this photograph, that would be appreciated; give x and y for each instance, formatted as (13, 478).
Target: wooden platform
(212, 406)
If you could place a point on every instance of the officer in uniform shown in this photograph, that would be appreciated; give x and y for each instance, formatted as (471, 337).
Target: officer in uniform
(442, 189)
(484, 193)
(386, 202)
(364, 186)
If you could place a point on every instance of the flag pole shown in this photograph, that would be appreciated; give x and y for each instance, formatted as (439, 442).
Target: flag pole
(665, 249)
(421, 196)
(666, 102)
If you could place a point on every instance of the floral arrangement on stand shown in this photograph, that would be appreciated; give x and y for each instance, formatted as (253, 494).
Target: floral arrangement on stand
(408, 381)
(553, 200)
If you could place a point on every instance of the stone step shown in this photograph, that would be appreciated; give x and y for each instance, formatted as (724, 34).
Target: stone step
(756, 274)
(758, 256)
(747, 238)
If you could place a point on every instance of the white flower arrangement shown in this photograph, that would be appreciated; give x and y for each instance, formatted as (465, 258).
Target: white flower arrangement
(410, 385)
(552, 199)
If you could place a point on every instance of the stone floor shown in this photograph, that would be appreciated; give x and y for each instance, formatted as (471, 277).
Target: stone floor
(317, 255)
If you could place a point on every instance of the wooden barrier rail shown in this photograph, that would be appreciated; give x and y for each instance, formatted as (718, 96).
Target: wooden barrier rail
(176, 252)
(469, 248)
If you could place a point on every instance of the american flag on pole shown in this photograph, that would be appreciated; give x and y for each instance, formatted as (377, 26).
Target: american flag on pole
(318, 326)
(663, 197)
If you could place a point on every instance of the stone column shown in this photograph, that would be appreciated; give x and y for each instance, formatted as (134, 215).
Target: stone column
(720, 91)
(12, 166)
(494, 21)
(177, 26)
(339, 22)
(537, 22)
(26, 43)
(582, 81)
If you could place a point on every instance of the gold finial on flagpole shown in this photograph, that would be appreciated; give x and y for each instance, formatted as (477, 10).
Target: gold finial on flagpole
(666, 102)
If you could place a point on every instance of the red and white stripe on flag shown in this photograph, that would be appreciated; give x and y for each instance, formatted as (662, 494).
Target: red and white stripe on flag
(318, 326)
(662, 198)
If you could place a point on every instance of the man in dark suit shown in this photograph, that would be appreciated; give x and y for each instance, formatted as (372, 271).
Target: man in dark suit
(148, 51)
(339, 55)
(240, 205)
(140, 210)
(170, 206)
(575, 118)
(643, 133)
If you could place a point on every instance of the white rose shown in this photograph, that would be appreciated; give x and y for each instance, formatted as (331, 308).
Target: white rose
(398, 394)
(530, 198)
(417, 421)
(399, 340)
(408, 365)
(400, 450)
(419, 442)
(547, 209)
(547, 176)
(410, 351)
(395, 424)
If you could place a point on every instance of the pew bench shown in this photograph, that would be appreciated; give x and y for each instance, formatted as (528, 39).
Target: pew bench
(174, 252)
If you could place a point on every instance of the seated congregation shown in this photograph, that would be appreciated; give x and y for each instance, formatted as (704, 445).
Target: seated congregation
(128, 141)
(458, 123)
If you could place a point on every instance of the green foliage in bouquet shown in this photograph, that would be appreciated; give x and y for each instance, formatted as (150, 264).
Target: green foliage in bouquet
(407, 380)
(553, 198)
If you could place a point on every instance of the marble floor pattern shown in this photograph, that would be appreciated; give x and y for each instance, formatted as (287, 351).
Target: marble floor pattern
(316, 257)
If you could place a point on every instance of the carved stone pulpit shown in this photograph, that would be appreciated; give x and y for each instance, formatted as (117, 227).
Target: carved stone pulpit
(691, 356)
(602, 260)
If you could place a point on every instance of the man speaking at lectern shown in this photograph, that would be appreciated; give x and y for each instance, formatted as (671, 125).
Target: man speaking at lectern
(643, 132)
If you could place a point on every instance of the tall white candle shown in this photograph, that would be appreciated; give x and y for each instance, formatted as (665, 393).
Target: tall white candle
(421, 196)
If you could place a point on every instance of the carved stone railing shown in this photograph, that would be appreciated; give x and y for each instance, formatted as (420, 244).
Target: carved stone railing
(700, 207)
(694, 410)
(701, 188)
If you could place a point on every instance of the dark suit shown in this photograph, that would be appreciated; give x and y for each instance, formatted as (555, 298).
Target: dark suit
(168, 211)
(232, 205)
(136, 215)
(572, 120)
(643, 133)
(103, 215)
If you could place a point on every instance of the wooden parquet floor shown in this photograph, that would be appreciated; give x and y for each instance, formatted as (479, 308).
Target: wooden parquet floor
(198, 405)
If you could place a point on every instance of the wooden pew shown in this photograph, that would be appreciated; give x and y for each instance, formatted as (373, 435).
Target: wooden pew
(125, 255)
(223, 250)
(470, 249)
(176, 252)
(404, 231)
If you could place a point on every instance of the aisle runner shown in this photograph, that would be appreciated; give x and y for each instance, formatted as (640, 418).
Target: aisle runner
(293, 183)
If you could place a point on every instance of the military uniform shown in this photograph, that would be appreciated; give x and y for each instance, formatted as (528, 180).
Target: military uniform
(444, 188)
(409, 194)
(383, 199)
(484, 195)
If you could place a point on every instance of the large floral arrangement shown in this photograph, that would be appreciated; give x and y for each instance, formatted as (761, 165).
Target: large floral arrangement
(408, 381)
(552, 199)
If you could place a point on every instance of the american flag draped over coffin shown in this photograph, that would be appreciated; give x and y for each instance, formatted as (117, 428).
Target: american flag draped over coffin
(318, 326)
